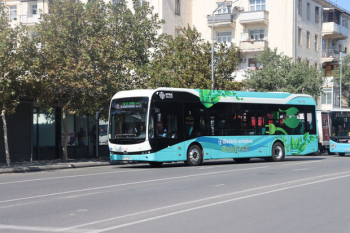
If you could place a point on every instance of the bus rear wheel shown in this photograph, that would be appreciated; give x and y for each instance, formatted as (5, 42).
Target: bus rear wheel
(277, 152)
(194, 156)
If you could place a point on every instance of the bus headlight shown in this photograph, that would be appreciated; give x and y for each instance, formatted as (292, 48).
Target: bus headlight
(333, 145)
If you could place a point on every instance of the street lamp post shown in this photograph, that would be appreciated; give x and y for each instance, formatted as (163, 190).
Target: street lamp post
(340, 77)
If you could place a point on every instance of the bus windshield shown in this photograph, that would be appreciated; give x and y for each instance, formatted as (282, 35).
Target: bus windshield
(340, 124)
(127, 121)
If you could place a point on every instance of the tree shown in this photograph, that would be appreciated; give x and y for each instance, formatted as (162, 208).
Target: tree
(89, 52)
(185, 62)
(17, 56)
(279, 73)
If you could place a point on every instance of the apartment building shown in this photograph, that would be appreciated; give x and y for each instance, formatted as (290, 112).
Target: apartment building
(314, 31)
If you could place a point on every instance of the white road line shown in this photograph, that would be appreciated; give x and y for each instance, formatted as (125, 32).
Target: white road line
(213, 204)
(132, 183)
(37, 229)
(200, 200)
(80, 195)
(65, 177)
(292, 163)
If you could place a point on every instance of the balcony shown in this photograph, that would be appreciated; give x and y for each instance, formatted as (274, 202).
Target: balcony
(330, 55)
(335, 24)
(254, 17)
(221, 20)
(253, 46)
(332, 30)
(30, 19)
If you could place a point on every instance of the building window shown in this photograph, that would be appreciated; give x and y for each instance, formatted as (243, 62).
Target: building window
(344, 21)
(308, 11)
(13, 12)
(257, 5)
(224, 37)
(177, 32)
(326, 97)
(316, 42)
(308, 63)
(308, 39)
(299, 60)
(34, 9)
(177, 7)
(223, 9)
(115, 2)
(300, 41)
(257, 34)
(346, 50)
(253, 63)
(300, 7)
(317, 14)
(316, 66)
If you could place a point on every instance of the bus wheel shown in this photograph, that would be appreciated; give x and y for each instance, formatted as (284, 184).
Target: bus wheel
(194, 156)
(155, 164)
(277, 152)
(341, 154)
(241, 160)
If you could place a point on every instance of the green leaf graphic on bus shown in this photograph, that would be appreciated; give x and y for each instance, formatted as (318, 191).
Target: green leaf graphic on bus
(299, 145)
(292, 121)
(211, 97)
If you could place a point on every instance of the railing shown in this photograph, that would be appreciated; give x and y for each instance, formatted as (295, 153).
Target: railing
(253, 45)
(220, 18)
(254, 16)
(28, 19)
(330, 53)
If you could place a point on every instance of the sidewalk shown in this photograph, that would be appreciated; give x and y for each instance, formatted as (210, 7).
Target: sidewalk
(42, 165)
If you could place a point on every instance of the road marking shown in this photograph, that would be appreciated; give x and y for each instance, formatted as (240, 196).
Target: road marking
(219, 185)
(214, 204)
(132, 183)
(289, 164)
(302, 169)
(65, 177)
(80, 195)
(200, 200)
(37, 229)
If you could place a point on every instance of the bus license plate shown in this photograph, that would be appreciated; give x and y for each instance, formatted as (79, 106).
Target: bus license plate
(126, 158)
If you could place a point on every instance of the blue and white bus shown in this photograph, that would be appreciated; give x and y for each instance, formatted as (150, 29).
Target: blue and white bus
(339, 129)
(193, 125)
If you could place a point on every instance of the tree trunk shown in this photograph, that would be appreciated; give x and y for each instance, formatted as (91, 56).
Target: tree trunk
(7, 151)
(65, 131)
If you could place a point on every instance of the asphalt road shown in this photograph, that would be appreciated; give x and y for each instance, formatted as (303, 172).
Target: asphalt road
(300, 194)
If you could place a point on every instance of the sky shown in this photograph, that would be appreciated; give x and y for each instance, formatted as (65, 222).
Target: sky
(343, 3)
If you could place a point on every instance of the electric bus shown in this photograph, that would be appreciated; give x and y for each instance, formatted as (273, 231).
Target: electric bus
(193, 125)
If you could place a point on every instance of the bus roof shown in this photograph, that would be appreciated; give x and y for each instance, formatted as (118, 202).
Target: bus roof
(236, 96)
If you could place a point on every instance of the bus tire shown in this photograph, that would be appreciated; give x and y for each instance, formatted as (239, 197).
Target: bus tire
(155, 164)
(241, 160)
(278, 152)
(341, 154)
(194, 156)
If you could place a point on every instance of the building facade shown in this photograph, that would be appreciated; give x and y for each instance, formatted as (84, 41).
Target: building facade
(314, 31)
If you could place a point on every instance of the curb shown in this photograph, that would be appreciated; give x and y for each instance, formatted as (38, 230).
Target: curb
(33, 168)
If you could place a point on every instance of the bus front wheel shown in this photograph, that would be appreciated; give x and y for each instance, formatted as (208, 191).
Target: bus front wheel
(277, 152)
(194, 156)
(341, 154)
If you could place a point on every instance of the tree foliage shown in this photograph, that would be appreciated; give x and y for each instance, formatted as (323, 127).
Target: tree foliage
(17, 56)
(90, 51)
(279, 73)
(185, 62)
